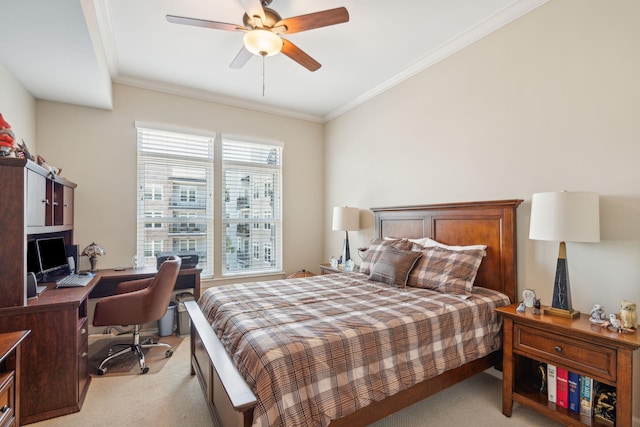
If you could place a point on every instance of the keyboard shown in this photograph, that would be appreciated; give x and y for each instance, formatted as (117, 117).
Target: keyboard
(73, 280)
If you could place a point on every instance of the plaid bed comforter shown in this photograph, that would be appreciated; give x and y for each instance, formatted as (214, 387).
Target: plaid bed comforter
(318, 348)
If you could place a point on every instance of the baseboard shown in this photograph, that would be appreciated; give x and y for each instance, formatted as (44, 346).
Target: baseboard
(494, 373)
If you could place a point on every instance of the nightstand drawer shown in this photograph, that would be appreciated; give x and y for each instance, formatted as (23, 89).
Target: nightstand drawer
(594, 360)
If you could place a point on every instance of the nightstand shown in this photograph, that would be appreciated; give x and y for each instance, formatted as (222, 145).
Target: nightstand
(327, 269)
(575, 344)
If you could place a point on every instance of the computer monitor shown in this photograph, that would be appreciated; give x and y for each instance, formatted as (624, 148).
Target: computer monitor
(52, 256)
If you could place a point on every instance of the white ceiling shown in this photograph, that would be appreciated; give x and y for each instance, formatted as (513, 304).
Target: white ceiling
(72, 50)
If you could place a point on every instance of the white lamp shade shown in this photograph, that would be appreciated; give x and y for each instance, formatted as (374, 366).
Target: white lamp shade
(262, 42)
(565, 217)
(346, 218)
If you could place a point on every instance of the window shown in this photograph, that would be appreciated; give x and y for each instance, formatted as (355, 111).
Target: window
(153, 215)
(251, 174)
(153, 192)
(175, 176)
(267, 253)
(176, 200)
(152, 247)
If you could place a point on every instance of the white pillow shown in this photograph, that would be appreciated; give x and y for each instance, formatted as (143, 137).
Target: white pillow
(429, 243)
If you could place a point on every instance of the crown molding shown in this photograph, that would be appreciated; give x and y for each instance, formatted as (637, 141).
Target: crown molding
(204, 95)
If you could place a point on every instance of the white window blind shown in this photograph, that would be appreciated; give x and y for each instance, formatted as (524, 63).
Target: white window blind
(252, 206)
(175, 195)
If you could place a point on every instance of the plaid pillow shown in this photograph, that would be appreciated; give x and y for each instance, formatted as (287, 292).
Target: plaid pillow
(393, 266)
(446, 270)
(376, 249)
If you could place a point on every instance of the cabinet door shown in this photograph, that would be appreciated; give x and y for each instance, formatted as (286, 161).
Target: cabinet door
(67, 206)
(37, 201)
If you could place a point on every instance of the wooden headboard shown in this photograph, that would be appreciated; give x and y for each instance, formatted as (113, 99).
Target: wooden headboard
(490, 223)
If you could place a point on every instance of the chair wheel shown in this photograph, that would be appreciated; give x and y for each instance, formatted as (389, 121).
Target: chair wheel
(169, 353)
(102, 371)
(145, 369)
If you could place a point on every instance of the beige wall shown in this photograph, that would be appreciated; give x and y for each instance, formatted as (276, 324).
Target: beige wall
(97, 150)
(547, 103)
(18, 108)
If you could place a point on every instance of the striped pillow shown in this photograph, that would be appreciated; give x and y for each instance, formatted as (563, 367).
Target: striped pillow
(445, 270)
(393, 266)
(376, 249)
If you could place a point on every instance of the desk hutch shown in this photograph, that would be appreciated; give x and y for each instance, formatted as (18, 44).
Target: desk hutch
(54, 378)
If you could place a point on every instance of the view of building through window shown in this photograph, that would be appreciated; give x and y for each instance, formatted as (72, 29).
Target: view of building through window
(252, 207)
(176, 206)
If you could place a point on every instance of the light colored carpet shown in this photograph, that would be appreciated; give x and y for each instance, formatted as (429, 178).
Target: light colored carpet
(174, 398)
(475, 402)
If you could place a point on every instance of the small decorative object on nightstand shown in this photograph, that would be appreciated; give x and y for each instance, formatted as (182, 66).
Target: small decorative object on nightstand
(597, 314)
(334, 262)
(528, 297)
(628, 315)
(349, 265)
(536, 306)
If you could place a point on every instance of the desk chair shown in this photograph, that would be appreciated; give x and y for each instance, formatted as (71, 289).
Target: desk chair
(137, 302)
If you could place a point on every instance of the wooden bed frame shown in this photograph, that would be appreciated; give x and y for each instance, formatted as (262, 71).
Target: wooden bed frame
(493, 223)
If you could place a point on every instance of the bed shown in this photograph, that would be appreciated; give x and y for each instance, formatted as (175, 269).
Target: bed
(228, 381)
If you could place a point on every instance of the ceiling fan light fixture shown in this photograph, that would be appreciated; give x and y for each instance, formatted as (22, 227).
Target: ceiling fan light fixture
(262, 42)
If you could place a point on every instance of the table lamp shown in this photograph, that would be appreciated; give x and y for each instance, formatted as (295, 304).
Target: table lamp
(564, 217)
(93, 251)
(346, 219)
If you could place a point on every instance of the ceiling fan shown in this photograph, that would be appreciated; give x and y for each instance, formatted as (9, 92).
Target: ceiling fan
(263, 27)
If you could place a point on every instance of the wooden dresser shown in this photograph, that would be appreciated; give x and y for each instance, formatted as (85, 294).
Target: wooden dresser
(10, 377)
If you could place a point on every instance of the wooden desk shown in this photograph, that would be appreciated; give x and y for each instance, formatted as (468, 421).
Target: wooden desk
(107, 280)
(55, 378)
(54, 358)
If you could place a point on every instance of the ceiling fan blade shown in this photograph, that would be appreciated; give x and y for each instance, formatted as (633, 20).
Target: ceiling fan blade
(204, 23)
(241, 58)
(253, 8)
(298, 55)
(314, 20)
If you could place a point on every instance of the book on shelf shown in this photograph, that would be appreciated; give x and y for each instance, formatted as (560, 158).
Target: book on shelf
(551, 383)
(586, 396)
(574, 391)
(604, 403)
(562, 387)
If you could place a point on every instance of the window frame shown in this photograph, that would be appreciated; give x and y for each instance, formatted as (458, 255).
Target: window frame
(220, 243)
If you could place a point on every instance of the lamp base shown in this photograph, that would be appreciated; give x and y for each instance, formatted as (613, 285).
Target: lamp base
(559, 312)
(346, 254)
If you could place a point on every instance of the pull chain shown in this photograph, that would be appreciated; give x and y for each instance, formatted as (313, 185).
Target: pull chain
(264, 54)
